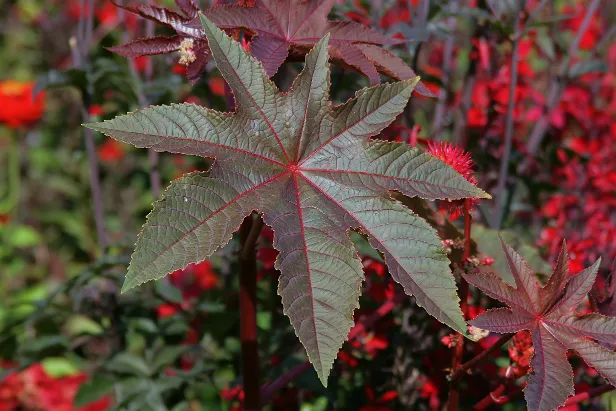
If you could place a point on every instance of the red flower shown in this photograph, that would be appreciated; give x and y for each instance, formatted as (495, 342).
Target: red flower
(205, 277)
(217, 85)
(33, 389)
(141, 63)
(18, 107)
(96, 110)
(430, 391)
(378, 404)
(520, 353)
(179, 69)
(110, 151)
(460, 161)
(166, 310)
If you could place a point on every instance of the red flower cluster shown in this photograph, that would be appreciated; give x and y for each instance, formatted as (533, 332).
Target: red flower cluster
(192, 281)
(520, 353)
(18, 107)
(33, 389)
(583, 211)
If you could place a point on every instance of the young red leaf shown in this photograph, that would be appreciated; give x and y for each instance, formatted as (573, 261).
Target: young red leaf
(314, 173)
(549, 313)
(284, 26)
(148, 46)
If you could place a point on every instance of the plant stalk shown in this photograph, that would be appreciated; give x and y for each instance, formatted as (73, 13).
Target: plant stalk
(461, 371)
(248, 315)
(497, 219)
(80, 51)
(454, 393)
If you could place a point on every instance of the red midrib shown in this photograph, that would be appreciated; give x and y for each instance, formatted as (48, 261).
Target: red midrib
(269, 124)
(300, 215)
(354, 100)
(239, 150)
(235, 200)
(378, 240)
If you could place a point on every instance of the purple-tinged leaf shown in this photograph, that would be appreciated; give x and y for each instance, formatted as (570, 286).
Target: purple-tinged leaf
(283, 26)
(188, 7)
(274, 155)
(271, 51)
(551, 377)
(557, 281)
(555, 326)
(354, 57)
(392, 66)
(503, 320)
(196, 69)
(525, 280)
(164, 16)
(148, 46)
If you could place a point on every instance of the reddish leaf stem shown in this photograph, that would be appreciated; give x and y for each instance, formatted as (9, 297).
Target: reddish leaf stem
(495, 398)
(461, 371)
(454, 394)
(592, 393)
(268, 390)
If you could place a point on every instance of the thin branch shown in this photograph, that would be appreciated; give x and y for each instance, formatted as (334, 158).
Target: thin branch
(454, 393)
(440, 110)
(557, 87)
(504, 167)
(464, 368)
(143, 100)
(592, 393)
(79, 51)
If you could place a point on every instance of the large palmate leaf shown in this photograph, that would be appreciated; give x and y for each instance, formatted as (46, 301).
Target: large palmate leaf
(549, 313)
(311, 169)
(279, 27)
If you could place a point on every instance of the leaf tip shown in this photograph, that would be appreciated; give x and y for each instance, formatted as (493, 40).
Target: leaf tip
(127, 286)
(485, 195)
(92, 126)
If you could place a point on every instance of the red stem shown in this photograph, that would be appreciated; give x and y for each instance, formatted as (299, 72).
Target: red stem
(248, 318)
(461, 371)
(268, 390)
(592, 393)
(454, 394)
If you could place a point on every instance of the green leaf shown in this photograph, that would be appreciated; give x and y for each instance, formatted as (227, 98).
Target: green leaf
(20, 236)
(488, 243)
(127, 363)
(80, 324)
(169, 292)
(58, 367)
(93, 390)
(314, 173)
(166, 356)
(589, 66)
